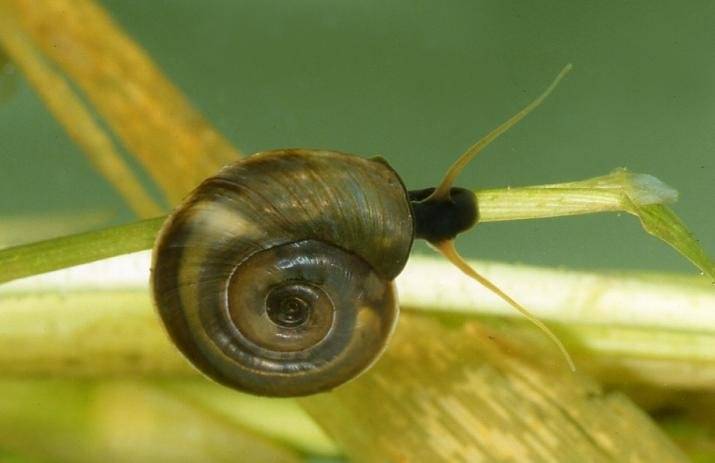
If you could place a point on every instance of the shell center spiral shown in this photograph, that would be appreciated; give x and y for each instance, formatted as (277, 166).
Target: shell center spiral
(291, 305)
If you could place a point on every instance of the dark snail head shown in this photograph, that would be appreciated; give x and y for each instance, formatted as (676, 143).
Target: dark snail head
(439, 219)
(275, 276)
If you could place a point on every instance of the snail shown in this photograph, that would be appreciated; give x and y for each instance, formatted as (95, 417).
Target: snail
(276, 275)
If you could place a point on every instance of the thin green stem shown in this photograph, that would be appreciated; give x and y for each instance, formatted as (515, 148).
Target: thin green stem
(67, 251)
(638, 194)
(608, 193)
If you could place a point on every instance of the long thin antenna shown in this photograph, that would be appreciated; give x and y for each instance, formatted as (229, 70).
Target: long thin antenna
(450, 252)
(442, 191)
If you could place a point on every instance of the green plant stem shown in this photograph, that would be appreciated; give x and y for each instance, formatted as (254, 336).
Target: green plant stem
(46, 256)
(607, 193)
(26, 228)
(638, 194)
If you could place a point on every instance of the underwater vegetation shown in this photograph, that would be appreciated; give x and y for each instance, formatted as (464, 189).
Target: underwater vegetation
(89, 373)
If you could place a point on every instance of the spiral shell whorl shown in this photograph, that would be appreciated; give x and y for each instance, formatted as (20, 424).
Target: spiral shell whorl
(236, 263)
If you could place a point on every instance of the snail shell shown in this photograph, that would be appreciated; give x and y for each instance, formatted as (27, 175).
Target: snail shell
(275, 276)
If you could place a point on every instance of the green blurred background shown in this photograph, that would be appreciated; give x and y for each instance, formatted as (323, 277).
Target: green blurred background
(417, 82)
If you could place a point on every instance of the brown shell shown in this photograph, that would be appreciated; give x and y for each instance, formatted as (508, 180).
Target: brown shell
(316, 229)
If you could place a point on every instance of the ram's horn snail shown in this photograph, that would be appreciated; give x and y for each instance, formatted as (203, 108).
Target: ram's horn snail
(275, 276)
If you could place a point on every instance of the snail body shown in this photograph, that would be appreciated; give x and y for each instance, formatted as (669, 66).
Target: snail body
(275, 276)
